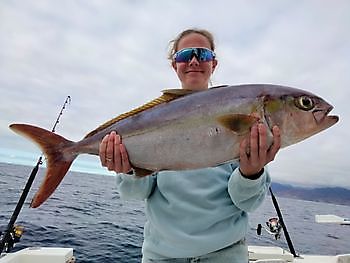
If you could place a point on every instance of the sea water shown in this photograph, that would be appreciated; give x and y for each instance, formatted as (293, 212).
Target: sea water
(86, 213)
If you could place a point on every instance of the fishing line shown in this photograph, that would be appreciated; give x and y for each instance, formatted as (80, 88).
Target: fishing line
(7, 240)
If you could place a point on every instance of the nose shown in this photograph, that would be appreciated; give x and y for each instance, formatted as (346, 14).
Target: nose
(194, 61)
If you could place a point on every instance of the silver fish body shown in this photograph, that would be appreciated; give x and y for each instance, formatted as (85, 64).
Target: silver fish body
(199, 129)
(188, 132)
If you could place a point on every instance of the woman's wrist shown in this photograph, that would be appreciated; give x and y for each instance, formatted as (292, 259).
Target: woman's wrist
(253, 176)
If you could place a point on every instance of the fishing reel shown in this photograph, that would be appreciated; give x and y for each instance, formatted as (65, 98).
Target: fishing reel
(14, 237)
(273, 227)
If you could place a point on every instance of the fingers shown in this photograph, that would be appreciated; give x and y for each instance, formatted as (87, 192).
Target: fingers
(116, 159)
(276, 145)
(126, 167)
(102, 150)
(259, 153)
(259, 150)
(262, 143)
(110, 152)
(113, 154)
(243, 156)
(254, 144)
(249, 153)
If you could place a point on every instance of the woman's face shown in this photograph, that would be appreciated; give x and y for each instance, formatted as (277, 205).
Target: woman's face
(194, 75)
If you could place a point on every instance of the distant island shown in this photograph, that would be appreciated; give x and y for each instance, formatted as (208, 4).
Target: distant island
(335, 195)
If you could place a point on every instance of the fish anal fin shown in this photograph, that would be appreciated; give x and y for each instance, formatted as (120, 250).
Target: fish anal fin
(140, 172)
(238, 123)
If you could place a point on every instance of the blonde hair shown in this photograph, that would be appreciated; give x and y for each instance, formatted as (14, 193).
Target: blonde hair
(173, 44)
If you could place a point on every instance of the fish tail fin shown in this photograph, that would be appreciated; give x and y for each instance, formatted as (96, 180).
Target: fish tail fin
(58, 159)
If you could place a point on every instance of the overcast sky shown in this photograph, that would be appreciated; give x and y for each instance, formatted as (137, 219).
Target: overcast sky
(111, 56)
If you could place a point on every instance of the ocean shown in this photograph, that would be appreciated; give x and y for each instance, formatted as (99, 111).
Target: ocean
(86, 213)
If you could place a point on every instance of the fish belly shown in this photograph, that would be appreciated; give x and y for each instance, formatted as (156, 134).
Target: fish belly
(181, 147)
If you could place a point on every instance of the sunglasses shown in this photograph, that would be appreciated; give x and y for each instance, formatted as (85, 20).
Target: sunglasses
(201, 54)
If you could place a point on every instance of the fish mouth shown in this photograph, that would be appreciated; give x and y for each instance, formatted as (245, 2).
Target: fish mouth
(321, 116)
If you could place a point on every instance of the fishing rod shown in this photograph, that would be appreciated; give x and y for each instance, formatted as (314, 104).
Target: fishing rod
(10, 234)
(284, 227)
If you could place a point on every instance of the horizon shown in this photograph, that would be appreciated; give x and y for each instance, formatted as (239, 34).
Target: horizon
(91, 165)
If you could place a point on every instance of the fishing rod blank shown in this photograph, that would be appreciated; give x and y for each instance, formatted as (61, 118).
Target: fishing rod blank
(284, 227)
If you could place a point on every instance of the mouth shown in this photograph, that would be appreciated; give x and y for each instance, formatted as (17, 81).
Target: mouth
(321, 116)
(194, 71)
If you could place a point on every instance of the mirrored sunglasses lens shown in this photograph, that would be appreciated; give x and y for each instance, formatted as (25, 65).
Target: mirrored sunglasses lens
(206, 55)
(202, 54)
(184, 55)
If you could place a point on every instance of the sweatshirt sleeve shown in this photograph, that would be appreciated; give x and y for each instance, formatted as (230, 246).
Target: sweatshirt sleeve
(248, 194)
(131, 187)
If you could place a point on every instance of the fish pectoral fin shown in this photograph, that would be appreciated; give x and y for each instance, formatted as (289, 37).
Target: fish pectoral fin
(238, 123)
(140, 172)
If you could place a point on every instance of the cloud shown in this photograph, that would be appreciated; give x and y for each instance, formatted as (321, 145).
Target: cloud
(110, 56)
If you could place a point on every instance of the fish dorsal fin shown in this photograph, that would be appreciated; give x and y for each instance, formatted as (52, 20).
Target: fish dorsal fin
(168, 95)
(178, 92)
(238, 123)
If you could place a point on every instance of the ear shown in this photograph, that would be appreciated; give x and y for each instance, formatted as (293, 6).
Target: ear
(173, 64)
(215, 63)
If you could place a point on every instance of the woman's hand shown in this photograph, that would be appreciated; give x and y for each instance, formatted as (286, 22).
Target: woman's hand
(259, 154)
(113, 154)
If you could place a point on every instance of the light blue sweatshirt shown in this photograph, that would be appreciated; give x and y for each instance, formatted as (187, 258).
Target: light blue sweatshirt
(194, 212)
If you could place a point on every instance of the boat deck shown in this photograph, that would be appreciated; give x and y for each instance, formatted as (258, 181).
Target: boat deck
(257, 254)
(265, 254)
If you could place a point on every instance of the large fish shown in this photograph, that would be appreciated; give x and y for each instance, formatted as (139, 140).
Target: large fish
(186, 129)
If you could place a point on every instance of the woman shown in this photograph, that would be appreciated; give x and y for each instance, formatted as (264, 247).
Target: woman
(196, 215)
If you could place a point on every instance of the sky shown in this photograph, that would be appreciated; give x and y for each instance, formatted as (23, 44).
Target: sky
(111, 56)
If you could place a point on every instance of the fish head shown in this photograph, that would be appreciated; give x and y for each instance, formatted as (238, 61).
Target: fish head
(298, 114)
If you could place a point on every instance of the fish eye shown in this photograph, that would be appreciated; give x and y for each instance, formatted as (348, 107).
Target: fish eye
(304, 103)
